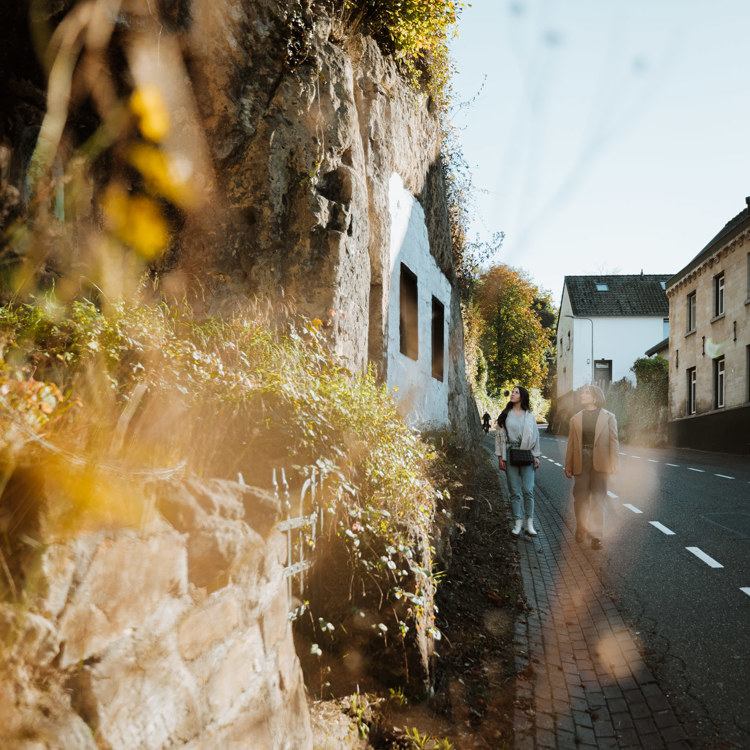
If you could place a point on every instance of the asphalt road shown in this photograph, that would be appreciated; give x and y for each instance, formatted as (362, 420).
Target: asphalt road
(676, 560)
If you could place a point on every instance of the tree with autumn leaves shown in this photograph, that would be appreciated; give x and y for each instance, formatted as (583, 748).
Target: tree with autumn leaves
(516, 329)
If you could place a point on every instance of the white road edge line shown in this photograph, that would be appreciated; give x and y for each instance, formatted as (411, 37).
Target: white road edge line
(701, 555)
(702, 471)
(746, 589)
(612, 494)
(662, 528)
(723, 476)
(633, 508)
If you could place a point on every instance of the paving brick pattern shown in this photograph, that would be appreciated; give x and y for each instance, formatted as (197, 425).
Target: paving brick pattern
(582, 682)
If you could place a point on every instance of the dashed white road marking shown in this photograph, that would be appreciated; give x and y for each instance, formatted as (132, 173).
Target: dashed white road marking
(677, 465)
(557, 464)
(723, 476)
(746, 589)
(612, 494)
(662, 528)
(701, 555)
(653, 461)
(633, 508)
(702, 471)
(635, 457)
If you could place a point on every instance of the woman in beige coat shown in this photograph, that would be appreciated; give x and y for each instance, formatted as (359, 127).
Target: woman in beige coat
(592, 455)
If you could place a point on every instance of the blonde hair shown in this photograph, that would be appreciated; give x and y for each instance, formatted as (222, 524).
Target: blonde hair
(597, 393)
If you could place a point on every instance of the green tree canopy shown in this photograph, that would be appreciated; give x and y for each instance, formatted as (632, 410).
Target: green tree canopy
(514, 340)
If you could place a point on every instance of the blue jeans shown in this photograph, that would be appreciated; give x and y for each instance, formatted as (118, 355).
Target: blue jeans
(521, 484)
(590, 497)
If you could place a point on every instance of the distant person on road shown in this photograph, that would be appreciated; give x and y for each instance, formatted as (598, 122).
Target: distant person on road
(486, 422)
(516, 428)
(592, 455)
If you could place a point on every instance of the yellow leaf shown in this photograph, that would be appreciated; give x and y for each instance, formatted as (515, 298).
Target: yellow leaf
(162, 174)
(147, 103)
(137, 221)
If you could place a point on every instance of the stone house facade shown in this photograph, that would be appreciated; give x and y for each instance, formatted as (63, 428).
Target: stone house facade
(709, 374)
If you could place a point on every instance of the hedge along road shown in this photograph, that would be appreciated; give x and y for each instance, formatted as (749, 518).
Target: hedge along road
(676, 559)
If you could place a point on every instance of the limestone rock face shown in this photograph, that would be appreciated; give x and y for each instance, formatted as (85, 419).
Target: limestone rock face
(140, 639)
(306, 132)
(293, 127)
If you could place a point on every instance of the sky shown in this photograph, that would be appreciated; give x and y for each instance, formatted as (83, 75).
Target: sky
(603, 136)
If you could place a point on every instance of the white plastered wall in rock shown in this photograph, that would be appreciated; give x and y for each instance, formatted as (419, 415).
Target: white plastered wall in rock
(423, 398)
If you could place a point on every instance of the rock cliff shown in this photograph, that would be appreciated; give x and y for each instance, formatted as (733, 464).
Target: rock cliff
(291, 129)
(171, 635)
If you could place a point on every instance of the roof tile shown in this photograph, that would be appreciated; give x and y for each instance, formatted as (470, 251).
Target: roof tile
(638, 295)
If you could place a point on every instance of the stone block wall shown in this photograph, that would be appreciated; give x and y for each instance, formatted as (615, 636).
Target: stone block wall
(174, 635)
(713, 336)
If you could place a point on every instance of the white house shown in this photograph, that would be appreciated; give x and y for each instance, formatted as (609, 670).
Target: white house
(418, 313)
(605, 323)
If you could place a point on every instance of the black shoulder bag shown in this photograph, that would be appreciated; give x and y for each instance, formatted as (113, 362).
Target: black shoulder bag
(520, 457)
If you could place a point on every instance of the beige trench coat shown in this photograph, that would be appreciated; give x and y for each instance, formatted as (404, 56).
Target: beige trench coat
(606, 446)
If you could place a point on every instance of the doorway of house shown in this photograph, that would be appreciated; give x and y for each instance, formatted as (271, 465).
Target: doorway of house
(603, 373)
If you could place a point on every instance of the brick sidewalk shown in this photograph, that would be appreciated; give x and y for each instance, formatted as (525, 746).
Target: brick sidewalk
(582, 682)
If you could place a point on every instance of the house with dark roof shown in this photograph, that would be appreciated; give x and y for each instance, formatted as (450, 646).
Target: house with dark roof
(709, 344)
(605, 323)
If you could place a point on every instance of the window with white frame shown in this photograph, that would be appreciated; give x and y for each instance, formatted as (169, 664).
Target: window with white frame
(719, 295)
(691, 382)
(719, 382)
(690, 312)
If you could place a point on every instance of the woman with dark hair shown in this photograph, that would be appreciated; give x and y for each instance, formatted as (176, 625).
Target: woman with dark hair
(591, 456)
(516, 428)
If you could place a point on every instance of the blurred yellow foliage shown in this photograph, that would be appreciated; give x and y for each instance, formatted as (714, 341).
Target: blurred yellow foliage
(147, 104)
(87, 498)
(135, 220)
(161, 173)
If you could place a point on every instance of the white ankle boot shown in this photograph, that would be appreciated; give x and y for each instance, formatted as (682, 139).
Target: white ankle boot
(530, 530)
(517, 527)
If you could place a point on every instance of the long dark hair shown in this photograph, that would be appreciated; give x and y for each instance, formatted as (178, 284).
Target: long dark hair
(525, 405)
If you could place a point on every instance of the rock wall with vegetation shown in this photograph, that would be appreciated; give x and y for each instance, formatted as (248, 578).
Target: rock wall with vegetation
(232, 159)
(269, 148)
(170, 633)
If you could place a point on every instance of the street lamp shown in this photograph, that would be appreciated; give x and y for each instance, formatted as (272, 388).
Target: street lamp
(578, 317)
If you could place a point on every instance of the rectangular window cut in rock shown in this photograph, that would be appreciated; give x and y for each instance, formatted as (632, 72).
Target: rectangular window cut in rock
(438, 338)
(408, 314)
